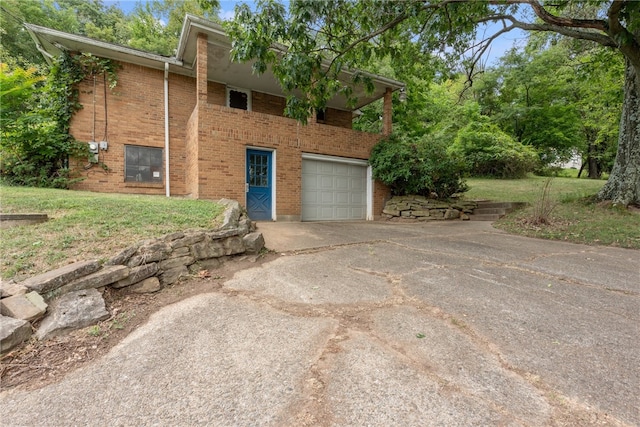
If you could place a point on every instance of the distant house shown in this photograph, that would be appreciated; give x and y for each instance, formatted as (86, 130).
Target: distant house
(198, 125)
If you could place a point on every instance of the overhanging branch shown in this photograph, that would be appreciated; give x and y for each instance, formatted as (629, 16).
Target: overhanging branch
(559, 21)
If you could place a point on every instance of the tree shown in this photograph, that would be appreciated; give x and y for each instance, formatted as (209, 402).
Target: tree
(599, 101)
(156, 25)
(86, 17)
(35, 143)
(309, 45)
(574, 109)
(533, 105)
(32, 150)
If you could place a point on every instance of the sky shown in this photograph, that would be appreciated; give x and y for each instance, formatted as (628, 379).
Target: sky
(127, 6)
(498, 47)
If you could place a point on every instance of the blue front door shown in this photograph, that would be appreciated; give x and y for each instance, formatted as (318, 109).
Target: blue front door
(259, 185)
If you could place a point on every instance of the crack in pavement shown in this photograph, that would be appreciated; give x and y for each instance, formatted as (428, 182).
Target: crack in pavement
(313, 407)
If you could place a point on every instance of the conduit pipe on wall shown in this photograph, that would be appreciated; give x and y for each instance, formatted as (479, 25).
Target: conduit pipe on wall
(166, 129)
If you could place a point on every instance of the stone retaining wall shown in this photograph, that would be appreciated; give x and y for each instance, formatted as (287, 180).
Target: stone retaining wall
(424, 209)
(69, 297)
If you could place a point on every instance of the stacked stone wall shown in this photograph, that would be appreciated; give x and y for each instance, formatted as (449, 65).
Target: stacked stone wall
(421, 208)
(146, 267)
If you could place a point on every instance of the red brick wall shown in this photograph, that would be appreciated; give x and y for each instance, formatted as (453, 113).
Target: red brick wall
(216, 93)
(208, 141)
(230, 131)
(338, 118)
(267, 104)
(135, 116)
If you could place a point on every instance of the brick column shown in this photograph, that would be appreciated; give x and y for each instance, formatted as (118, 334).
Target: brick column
(197, 135)
(201, 68)
(387, 112)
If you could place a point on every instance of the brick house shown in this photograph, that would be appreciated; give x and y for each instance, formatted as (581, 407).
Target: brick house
(197, 125)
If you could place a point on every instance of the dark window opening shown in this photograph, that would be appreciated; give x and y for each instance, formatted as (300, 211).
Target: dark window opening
(142, 164)
(321, 116)
(238, 99)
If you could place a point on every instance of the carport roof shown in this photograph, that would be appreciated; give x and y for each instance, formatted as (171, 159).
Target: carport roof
(221, 69)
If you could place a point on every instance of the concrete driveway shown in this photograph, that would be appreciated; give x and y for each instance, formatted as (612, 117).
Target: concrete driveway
(437, 324)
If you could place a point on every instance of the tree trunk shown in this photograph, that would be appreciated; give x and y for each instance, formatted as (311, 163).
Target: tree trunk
(592, 161)
(623, 186)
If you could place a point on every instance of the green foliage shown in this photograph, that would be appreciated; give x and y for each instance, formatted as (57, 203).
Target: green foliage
(575, 109)
(315, 41)
(153, 25)
(16, 88)
(490, 152)
(156, 25)
(417, 166)
(36, 145)
(86, 17)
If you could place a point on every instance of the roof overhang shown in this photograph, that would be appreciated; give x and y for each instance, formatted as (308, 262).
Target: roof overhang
(51, 43)
(220, 68)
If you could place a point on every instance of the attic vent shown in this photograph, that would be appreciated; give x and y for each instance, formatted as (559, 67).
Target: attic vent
(238, 99)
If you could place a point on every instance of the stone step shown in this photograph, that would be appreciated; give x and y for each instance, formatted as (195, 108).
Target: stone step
(485, 217)
(489, 211)
(494, 205)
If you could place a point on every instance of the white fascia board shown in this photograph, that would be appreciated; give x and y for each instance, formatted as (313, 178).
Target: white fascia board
(41, 34)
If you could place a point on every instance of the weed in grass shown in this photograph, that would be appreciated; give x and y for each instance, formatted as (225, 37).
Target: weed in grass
(66, 242)
(577, 216)
(544, 205)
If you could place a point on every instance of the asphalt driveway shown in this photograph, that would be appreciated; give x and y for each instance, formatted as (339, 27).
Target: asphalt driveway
(437, 324)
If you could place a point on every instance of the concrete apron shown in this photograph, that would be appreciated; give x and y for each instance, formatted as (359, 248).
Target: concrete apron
(378, 324)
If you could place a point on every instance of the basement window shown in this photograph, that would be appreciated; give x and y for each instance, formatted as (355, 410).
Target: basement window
(142, 164)
(239, 98)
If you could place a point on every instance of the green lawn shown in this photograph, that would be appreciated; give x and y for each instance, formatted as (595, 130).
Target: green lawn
(575, 216)
(85, 225)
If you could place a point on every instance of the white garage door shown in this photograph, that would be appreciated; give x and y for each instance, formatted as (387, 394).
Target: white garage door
(333, 190)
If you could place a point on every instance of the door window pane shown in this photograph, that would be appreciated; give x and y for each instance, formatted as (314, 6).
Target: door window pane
(258, 170)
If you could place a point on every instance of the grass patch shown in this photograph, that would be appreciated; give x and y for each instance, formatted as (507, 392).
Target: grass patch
(528, 189)
(576, 216)
(84, 225)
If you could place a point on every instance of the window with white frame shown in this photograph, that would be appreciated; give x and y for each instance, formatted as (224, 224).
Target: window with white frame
(142, 164)
(239, 98)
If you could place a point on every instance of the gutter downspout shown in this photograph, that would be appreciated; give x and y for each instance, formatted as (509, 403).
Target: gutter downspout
(47, 56)
(166, 129)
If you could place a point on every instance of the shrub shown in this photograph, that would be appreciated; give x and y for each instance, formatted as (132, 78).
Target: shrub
(35, 144)
(417, 166)
(491, 152)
